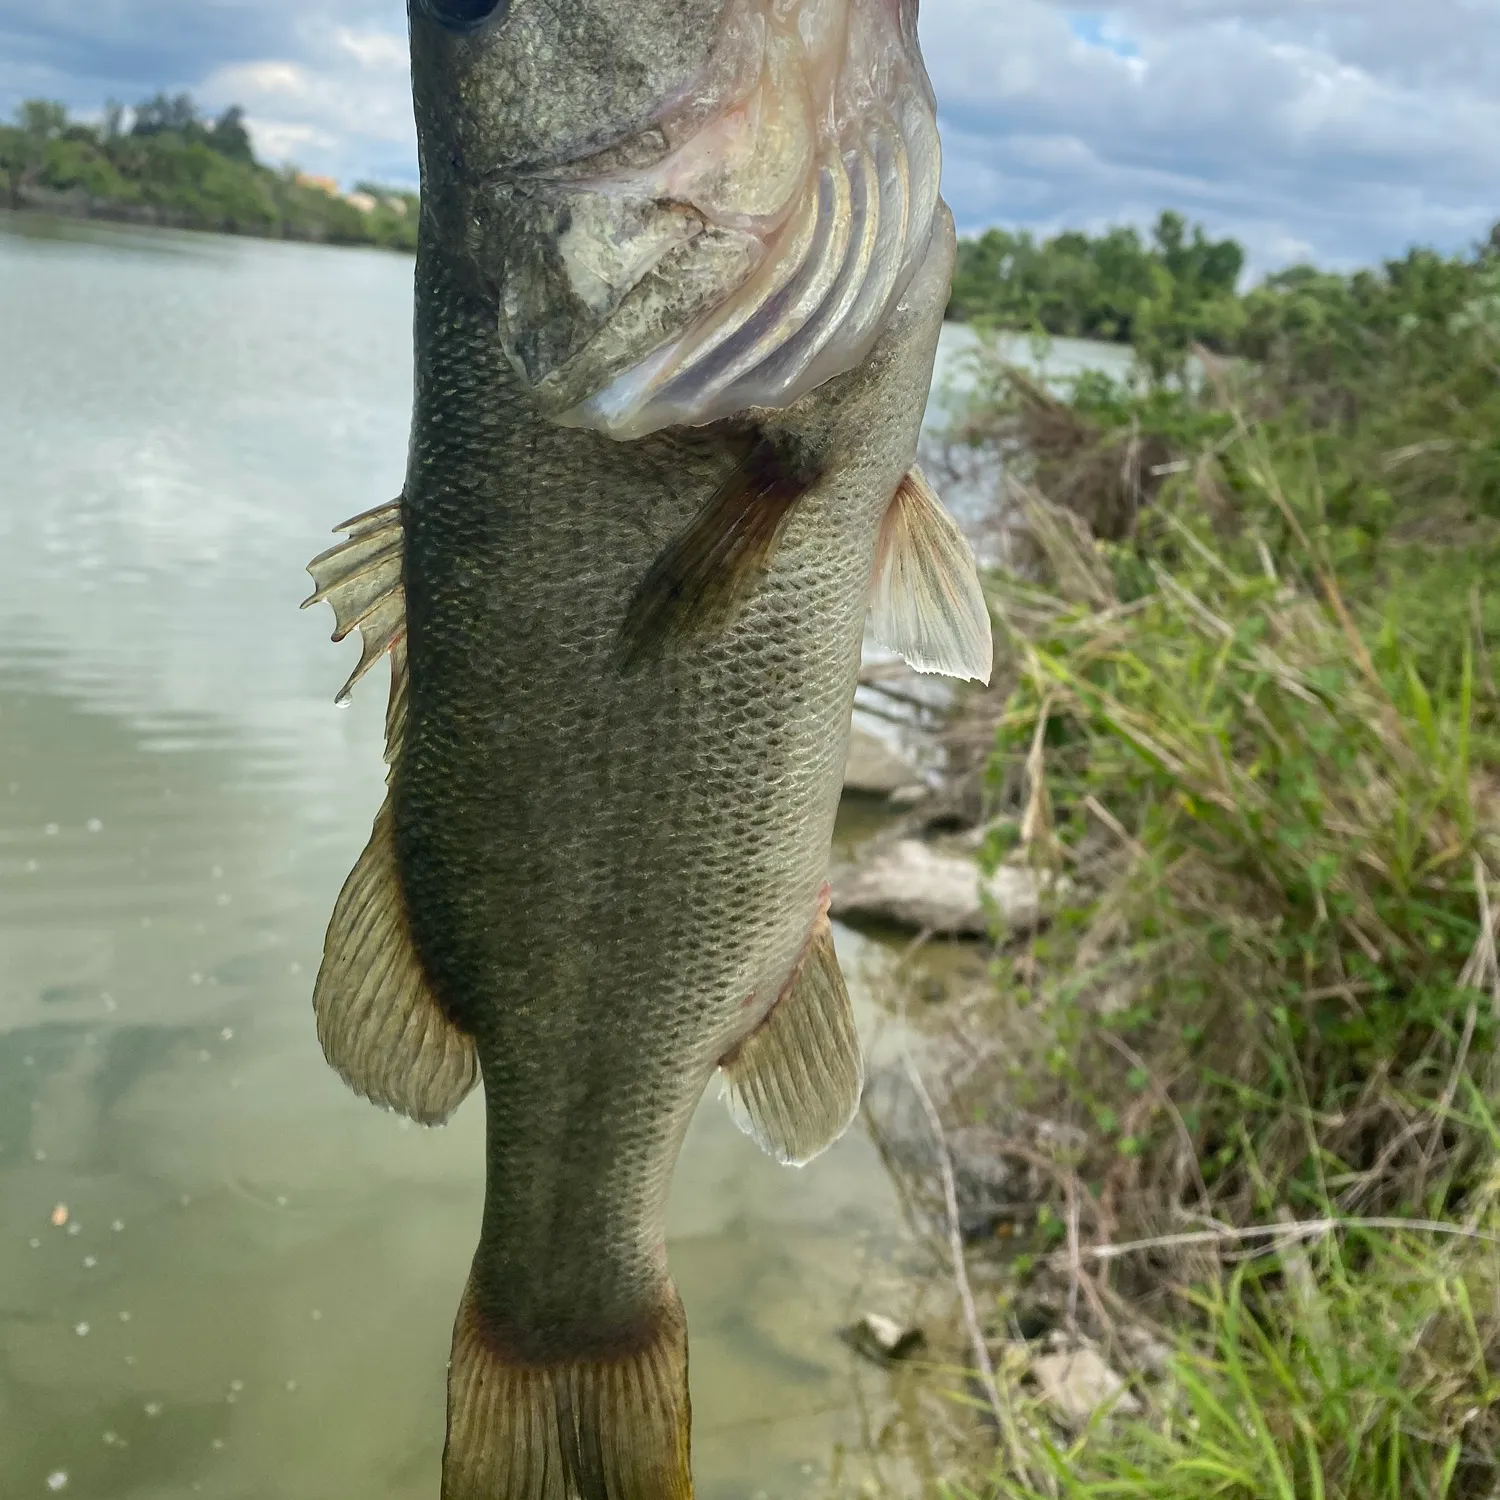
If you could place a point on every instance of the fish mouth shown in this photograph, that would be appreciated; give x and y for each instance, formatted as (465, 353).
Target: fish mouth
(747, 246)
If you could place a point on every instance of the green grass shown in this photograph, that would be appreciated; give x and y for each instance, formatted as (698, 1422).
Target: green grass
(1250, 709)
(1368, 1370)
(1272, 825)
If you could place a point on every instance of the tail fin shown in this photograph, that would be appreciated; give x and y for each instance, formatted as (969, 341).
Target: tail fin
(613, 1426)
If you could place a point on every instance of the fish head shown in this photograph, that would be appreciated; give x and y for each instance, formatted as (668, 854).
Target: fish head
(683, 209)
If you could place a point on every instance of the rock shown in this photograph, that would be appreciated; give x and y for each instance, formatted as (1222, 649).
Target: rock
(1146, 1351)
(914, 885)
(984, 1182)
(908, 796)
(883, 1339)
(1076, 1383)
(875, 767)
(989, 1188)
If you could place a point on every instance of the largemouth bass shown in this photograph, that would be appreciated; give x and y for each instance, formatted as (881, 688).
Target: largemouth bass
(681, 270)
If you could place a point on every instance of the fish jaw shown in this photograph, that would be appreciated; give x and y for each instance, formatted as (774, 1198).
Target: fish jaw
(786, 201)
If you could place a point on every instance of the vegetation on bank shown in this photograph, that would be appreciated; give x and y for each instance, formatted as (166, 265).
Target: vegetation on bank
(171, 166)
(1176, 289)
(1179, 288)
(1251, 711)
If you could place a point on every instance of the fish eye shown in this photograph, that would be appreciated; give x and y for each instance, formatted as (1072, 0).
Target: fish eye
(464, 15)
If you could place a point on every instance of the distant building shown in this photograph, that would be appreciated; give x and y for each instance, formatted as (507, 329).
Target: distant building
(362, 201)
(327, 185)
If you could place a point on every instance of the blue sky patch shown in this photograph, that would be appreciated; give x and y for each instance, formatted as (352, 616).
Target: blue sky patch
(1094, 27)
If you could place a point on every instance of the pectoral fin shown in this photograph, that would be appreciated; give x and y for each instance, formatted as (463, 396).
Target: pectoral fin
(707, 572)
(794, 1084)
(928, 605)
(381, 1027)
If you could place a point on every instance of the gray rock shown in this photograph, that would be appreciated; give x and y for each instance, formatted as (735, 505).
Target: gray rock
(908, 796)
(1075, 1383)
(875, 767)
(911, 884)
(987, 1186)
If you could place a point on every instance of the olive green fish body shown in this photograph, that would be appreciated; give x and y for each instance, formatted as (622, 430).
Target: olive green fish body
(681, 272)
(608, 876)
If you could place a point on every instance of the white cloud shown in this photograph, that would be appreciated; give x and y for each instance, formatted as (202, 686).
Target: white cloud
(376, 50)
(1342, 128)
(263, 80)
(289, 140)
(344, 109)
(1301, 126)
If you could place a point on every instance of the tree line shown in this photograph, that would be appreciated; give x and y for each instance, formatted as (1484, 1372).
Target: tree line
(167, 163)
(1176, 287)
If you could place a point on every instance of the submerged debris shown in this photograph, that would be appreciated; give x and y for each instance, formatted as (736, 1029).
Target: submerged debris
(883, 1339)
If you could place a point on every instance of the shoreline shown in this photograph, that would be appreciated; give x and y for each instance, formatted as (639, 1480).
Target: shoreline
(75, 204)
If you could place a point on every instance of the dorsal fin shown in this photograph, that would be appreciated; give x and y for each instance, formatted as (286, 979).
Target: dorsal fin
(361, 578)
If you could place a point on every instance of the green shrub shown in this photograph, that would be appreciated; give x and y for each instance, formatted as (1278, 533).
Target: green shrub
(1276, 833)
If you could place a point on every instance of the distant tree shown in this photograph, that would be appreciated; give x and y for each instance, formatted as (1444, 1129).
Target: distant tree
(229, 137)
(14, 156)
(165, 161)
(1207, 264)
(42, 119)
(1160, 296)
(161, 113)
(23, 149)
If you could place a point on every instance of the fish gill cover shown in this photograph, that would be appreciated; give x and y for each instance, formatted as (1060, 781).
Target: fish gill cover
(787, 203)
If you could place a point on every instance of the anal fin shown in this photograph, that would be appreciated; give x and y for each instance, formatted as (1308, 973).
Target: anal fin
(611, 1425)
(380, 1025)
(793, 1085)
(928, 605)
(704, 575)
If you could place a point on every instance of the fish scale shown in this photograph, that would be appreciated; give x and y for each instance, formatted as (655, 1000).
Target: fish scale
(651, 841)
(623, 672)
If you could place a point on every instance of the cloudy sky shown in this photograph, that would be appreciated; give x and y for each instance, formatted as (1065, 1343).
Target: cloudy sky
(1340, 130)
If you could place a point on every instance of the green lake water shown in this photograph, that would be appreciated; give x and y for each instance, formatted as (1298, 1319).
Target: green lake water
(253, 1290)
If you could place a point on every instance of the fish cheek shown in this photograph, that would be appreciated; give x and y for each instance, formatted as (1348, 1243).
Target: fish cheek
(563, 258)
(589, 281)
